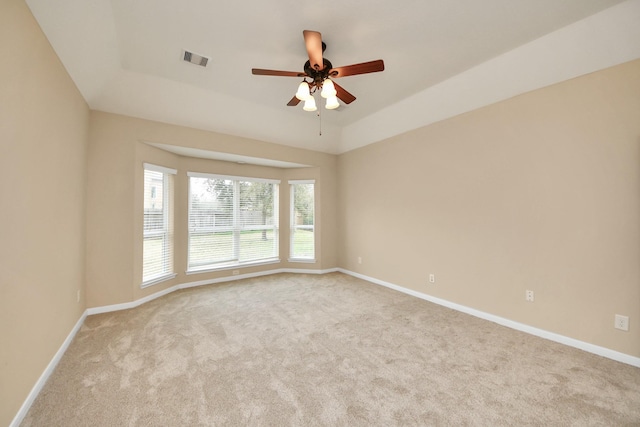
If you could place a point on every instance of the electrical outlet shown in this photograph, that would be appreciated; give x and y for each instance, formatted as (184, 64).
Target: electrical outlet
(432, 278)
(528, 295)
(621, 322)
(359, 260)
(236, 272)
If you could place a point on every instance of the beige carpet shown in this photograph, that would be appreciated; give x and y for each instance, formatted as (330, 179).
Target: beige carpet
(308, 350)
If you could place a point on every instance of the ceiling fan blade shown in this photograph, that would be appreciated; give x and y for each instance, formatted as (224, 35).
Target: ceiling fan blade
(343, 95)
(261, 72)
(363, 68)
(313, 42)
(294, 101)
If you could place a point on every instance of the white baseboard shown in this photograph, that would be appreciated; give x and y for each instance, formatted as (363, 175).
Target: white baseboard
(591, 348)
(47, 372)
(256, 274)
(571, 342)
(126, 306)
(136, 303)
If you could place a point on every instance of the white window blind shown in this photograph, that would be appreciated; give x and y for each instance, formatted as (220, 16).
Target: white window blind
(157, 252)
(232, 221)
(302, 220)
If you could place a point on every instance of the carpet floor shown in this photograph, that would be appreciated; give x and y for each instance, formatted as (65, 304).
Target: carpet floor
(323, 350)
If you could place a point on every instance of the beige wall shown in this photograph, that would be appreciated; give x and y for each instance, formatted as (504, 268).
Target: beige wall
(538, 192)
(43, 136)
(115, 200)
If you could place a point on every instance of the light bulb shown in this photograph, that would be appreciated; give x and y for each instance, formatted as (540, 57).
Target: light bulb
(328, 89)
(303, 91)
(332, 103)
(310, 104)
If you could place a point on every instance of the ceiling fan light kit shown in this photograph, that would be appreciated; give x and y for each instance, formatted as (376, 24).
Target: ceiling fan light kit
(328, 89)
(321, 72)
(304, 92)
(332, 103)
(310, 104)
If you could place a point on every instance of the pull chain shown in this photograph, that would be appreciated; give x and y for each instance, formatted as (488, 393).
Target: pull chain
(320, 120)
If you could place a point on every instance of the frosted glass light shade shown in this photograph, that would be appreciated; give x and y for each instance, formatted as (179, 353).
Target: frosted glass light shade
(310, 104)
(328, 89)
(332, 103)
(303, 91)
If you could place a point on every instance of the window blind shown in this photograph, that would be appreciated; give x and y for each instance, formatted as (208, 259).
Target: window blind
(157, 252)
(302, 245)
(232, 221)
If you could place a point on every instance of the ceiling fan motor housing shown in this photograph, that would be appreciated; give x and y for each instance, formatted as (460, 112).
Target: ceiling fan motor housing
(318, 76)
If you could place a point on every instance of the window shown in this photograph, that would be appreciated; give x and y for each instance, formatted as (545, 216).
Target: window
(157, 251)
(232, 221)
(302, 220)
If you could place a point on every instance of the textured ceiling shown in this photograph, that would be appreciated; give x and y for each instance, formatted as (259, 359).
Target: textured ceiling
(126, 57)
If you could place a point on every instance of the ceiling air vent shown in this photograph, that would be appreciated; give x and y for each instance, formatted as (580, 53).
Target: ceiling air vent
(194, 58)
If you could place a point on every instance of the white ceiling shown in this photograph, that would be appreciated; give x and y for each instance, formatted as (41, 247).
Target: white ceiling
(442, 58)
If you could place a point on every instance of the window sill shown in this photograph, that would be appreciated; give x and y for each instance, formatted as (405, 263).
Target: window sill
(232, 266)
(157, 280)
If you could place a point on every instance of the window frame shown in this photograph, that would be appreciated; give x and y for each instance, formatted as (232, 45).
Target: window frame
(168, 246)
(292, 219)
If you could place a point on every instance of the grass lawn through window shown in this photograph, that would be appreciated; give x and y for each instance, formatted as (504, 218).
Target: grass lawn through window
(207, 249)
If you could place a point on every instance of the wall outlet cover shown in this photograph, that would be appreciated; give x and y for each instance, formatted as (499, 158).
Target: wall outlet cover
(621, 322)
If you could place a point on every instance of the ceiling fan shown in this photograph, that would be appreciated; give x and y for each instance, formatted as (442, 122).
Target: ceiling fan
(320, 71)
